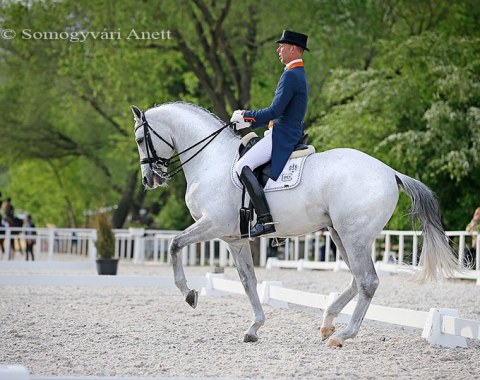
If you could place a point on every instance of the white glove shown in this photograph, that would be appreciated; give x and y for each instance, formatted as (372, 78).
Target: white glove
(237, 118)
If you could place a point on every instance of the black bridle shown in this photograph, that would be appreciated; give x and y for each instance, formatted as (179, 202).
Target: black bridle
(155, 162)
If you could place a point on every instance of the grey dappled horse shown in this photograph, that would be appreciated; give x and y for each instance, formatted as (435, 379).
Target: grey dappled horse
(351, 193)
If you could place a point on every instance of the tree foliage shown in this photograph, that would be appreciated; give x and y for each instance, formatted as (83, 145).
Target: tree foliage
(396, 79)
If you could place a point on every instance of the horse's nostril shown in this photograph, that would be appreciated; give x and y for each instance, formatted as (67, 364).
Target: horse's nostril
(144, 180)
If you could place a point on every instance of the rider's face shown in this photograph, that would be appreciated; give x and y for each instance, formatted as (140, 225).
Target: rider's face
(285, 52)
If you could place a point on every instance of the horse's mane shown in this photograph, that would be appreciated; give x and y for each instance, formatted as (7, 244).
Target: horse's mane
(195, 107)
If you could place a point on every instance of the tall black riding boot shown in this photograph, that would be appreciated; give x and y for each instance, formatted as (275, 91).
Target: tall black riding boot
(257, 195)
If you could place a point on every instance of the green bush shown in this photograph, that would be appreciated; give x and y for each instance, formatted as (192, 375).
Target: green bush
(105, 243)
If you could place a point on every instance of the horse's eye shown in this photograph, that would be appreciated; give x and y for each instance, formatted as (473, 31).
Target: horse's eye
(139, 140)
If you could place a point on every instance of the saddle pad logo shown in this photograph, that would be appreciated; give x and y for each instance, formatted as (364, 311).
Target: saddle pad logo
(290, 177)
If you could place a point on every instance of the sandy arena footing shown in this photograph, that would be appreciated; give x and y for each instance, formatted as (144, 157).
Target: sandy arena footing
(152, 332)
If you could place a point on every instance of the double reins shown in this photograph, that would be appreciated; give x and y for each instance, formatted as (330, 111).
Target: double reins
(153, 160)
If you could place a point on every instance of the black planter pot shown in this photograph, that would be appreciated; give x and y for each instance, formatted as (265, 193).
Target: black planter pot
(107, 266)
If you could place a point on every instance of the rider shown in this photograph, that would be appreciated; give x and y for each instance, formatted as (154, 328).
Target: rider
(285, 122)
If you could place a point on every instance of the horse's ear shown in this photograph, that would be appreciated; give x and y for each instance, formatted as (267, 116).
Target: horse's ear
(137, 114)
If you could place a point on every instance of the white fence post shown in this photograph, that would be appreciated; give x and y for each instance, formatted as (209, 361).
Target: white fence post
(51, 243)
(265, 295)
(401, 248)
(209, 290)
(432, 331)
(415, 250)
(223, 254)
(202, 253)
(316, 256)
(7, 244)
(92, 248)
(192, 254)
(263, 252)
(387, 247)
(139, 244)
(328, 245)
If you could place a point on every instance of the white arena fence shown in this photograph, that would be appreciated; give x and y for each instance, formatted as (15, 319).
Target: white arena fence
(440, 326)
(313, 251)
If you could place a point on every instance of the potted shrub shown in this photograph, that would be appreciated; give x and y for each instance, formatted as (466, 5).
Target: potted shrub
(105, 245)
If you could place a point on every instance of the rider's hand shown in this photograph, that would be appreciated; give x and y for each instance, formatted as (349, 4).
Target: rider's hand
(237, 118)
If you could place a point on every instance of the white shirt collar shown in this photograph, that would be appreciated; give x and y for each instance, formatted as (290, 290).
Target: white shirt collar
(292, 62)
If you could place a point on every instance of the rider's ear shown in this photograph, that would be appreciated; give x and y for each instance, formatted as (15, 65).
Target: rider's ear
(137, 114)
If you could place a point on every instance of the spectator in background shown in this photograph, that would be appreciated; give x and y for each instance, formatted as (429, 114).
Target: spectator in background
(3, 224)
(30, 235)
(8, 209)
(473, 226)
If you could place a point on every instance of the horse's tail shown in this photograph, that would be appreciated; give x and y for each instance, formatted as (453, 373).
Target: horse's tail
(437, 258)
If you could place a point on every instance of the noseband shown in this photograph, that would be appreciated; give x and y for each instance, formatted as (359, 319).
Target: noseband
(155, 162)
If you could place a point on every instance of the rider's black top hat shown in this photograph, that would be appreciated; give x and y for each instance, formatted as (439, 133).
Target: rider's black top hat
(294, 38)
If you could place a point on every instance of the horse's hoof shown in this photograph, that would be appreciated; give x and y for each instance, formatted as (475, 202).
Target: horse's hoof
(250, 338)
(192, 298)
(334, 343)
(325, 332)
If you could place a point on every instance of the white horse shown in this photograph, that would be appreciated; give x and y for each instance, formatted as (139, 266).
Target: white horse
(351, 193)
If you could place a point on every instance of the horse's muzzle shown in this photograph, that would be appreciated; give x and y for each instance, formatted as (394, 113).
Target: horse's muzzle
(154, 181)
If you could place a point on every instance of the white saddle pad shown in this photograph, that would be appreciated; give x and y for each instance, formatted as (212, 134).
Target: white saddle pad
(288, 179)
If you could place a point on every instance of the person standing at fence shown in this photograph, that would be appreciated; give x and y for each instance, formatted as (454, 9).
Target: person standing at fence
(30, 235)
(8, 209)
(3, 225)
(473, 226)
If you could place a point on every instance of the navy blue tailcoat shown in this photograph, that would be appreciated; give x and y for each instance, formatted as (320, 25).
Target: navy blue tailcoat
(286, 112)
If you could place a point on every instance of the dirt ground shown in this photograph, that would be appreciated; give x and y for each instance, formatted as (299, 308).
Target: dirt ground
(134, 331)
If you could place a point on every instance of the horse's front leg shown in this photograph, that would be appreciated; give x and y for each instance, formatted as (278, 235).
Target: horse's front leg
(240, 250)
(202, 230)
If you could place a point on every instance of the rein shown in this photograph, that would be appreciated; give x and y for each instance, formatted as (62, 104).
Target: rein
(153, 160)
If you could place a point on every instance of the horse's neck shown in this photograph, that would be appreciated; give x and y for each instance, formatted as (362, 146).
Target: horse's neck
(217, 155)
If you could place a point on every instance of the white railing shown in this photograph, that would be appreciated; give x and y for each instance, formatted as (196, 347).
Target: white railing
(395, 247)
(140, 245)
(48, 242)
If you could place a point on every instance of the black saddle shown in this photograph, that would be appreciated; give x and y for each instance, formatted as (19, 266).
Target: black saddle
(264, 172)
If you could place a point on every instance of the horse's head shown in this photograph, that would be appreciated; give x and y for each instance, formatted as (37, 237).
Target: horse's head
(154, 150)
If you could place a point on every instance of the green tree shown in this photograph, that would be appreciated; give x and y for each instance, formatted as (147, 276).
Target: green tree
(417, 110)
(379, 81)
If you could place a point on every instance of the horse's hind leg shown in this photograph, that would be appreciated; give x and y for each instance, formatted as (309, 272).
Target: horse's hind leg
(240, 250)
(334, 308)
(363, 270)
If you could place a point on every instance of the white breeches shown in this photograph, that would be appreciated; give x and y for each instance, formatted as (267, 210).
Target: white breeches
(258, 155)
